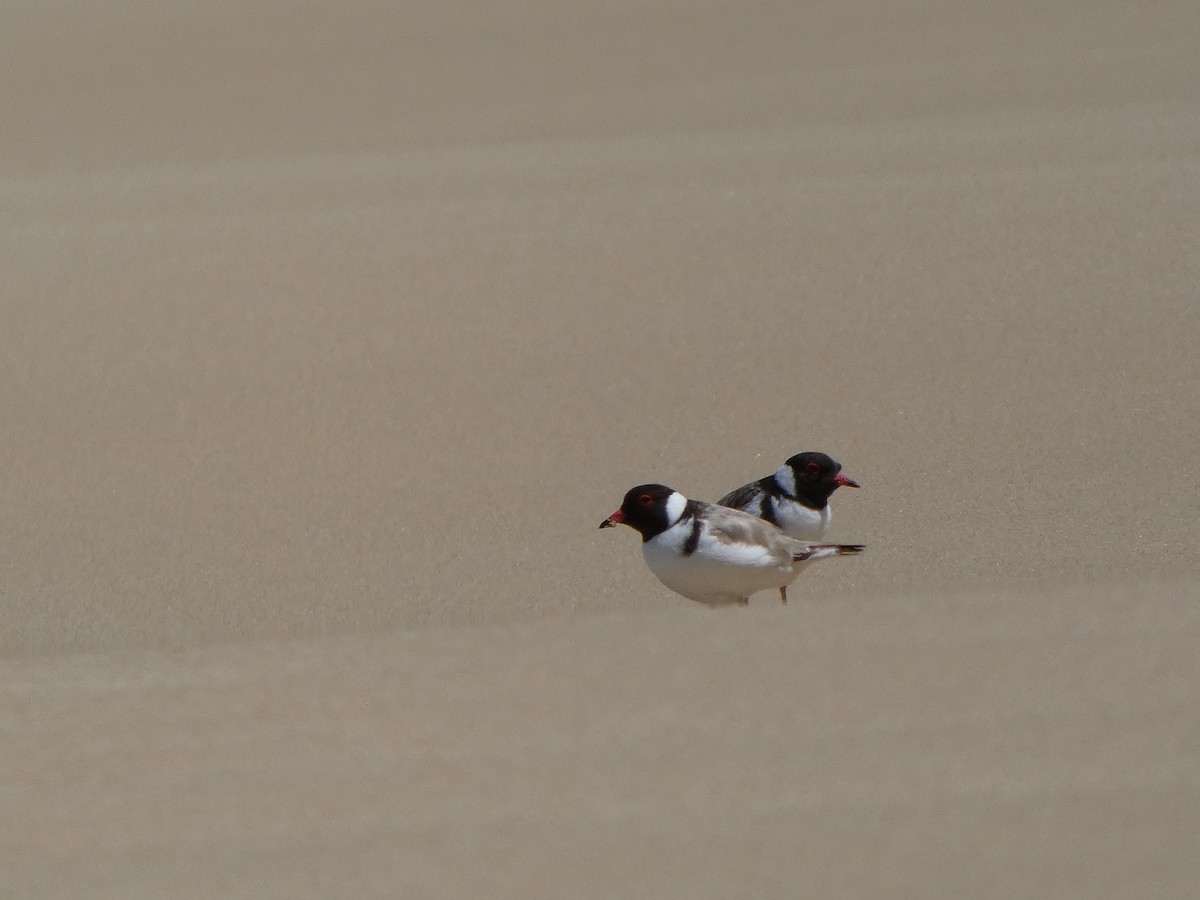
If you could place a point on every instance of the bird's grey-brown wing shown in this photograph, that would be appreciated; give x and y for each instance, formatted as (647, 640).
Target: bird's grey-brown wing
(732, 526)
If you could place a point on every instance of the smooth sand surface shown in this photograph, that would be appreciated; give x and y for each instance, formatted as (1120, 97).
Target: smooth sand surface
(1002, 745)
(330, 332)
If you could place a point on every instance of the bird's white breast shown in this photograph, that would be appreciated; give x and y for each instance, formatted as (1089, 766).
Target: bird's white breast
(715, 572)
(799, 521)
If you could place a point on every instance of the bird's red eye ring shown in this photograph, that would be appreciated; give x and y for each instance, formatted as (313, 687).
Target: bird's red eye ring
(645, 500)
(813, 468)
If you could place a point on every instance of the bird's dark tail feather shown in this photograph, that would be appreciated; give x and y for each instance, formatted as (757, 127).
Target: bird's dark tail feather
(820, 551)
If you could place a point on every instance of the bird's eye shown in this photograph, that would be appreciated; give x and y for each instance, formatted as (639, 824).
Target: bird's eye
(646, 500)
(813, 468)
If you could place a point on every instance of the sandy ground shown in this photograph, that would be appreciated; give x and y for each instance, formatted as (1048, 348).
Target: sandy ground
(330, 332)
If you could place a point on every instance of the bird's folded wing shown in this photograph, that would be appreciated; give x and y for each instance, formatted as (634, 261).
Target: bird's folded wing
(740, 498)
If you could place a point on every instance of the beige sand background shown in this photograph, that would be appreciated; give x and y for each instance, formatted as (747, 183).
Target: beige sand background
(330, 332)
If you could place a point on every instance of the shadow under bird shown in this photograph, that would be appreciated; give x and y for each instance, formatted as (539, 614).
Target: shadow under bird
(712, 554)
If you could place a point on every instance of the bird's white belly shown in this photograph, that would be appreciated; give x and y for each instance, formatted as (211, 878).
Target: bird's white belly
(798, 521)
(717, 573)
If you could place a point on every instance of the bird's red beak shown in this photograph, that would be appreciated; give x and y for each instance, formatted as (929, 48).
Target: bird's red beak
(614, 520)
(844, 480)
